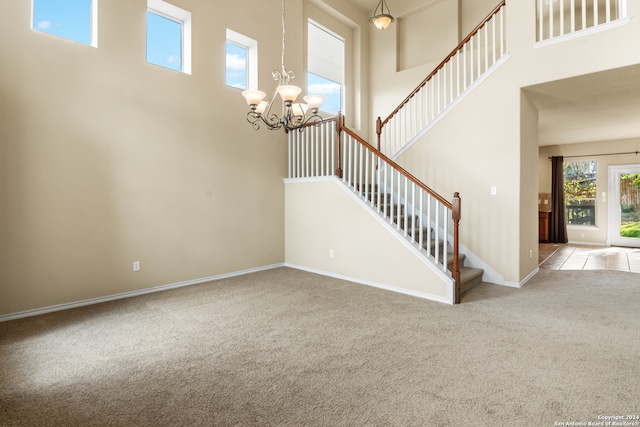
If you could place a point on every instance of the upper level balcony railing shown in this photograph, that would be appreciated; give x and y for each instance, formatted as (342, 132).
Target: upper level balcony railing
(557, 18)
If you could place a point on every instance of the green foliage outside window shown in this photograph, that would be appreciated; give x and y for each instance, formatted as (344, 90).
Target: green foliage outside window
(580, 192)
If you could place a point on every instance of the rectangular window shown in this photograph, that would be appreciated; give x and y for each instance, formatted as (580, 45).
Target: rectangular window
(325, 66)
(241, 61)
(74, 20)
(168, 36)
(580, 192)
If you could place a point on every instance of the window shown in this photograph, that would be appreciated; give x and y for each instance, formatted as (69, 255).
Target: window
(241, 61)
(325, 66)
(580, 192)
(74, 20)
(168, 36)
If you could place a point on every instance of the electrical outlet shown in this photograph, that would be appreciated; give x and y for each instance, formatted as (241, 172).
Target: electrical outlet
(530, 253)
(330, 253)
(136, 265)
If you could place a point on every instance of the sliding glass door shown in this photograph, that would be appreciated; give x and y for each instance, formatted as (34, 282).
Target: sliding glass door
(624, 205)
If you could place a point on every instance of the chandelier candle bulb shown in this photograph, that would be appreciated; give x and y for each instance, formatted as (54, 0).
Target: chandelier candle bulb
(253, 97)
(299, 109)
(314, 102)
(261, 107)
(289, 93)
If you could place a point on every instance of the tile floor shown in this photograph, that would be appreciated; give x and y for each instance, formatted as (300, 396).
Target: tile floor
(554, 256)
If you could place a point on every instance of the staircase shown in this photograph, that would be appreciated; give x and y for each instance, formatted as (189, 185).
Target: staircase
(394, 213)
(411, 209)
(425, 220)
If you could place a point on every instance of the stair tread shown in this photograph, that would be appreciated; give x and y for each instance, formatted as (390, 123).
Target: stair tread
(470, 273)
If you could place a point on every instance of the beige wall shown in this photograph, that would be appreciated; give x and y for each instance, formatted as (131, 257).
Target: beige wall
(488, 140)
(405, 53)
(324, 216)
(106, 160)
(589, 151)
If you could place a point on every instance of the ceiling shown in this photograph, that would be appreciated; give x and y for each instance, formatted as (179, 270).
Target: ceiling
(602, 106)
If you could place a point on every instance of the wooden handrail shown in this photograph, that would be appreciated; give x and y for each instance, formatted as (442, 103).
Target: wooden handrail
(381, 123)
(394, 165)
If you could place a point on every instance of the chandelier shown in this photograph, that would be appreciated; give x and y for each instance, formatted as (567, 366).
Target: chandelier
(382, 20)
(294, 115)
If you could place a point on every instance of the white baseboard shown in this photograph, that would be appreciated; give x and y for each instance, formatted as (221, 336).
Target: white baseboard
(99, 300)
(523, 282)
(375, 284)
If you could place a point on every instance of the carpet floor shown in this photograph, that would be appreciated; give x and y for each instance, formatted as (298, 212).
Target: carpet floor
(289, 348)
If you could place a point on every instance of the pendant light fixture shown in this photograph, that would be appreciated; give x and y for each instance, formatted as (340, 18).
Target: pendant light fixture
(293, 115)
(382, 19)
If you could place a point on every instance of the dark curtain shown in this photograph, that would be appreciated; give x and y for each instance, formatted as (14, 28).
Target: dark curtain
(558, 229)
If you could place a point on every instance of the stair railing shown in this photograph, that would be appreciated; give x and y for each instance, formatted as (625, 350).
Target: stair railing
(420, 214)
(464, 66)
(561, 17)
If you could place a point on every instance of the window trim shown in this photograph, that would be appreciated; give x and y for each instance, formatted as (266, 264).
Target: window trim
(181, 16)
(252, 56)
(595, 199)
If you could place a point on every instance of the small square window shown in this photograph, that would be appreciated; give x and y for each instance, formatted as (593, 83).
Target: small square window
(74, 20)
(241, 61)
(168, 36)
(236, 73)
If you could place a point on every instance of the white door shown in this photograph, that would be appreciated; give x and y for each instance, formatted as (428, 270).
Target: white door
(624, 206)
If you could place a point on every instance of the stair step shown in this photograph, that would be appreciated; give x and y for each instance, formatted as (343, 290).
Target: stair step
(384, 198)
(469, 277)
(461, 258)
(368, 187)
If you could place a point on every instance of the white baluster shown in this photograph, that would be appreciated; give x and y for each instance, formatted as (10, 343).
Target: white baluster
(561, 17)
(332, 131)
(429, 222)
(360, 168)
(413, 212)
(502, 33)
(486, 47)
(421, 213)
(445, 237)
(406, 208)
(551, 29)
(540, 21)
(437, 237)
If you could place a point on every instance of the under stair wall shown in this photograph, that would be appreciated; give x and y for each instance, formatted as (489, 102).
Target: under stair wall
(330, 230)
(489, 140)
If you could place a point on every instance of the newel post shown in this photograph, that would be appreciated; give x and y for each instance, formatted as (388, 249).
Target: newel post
(455, 215)
(379, 130)
(339, 125)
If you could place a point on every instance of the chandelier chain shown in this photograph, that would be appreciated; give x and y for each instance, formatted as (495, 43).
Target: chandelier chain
(283, 31)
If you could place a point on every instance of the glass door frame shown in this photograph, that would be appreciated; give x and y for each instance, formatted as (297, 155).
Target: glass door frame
(614, 211)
